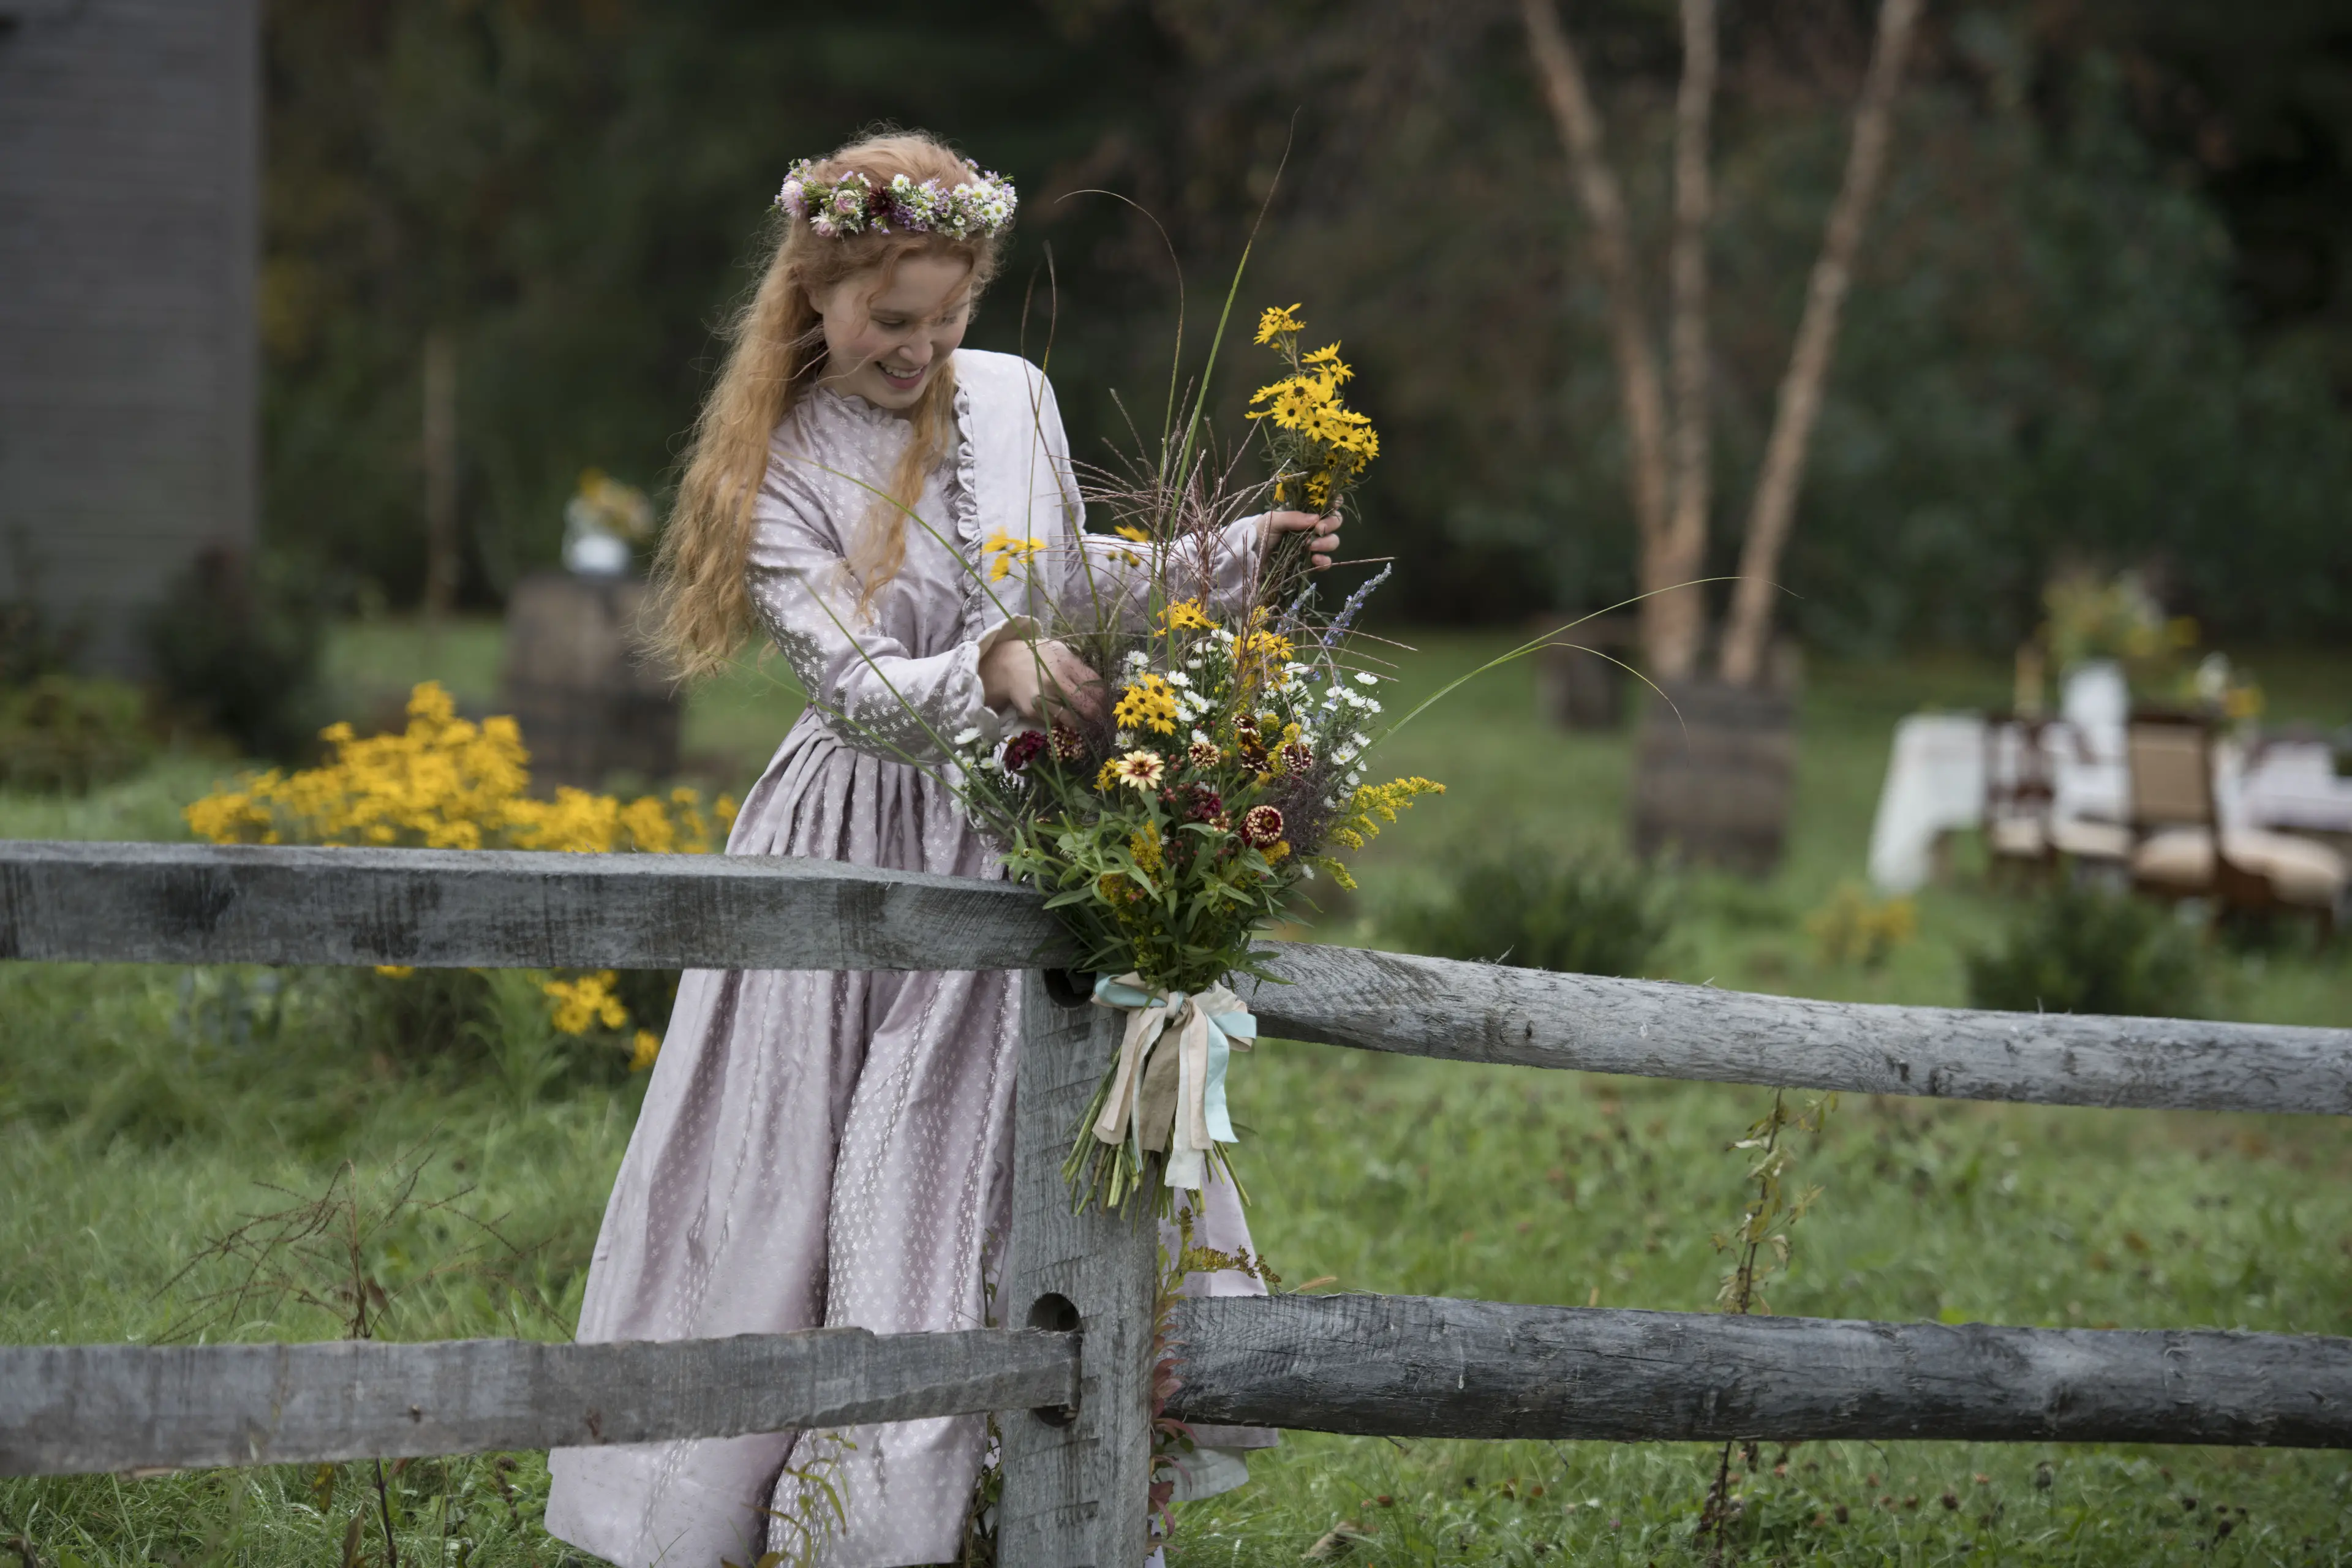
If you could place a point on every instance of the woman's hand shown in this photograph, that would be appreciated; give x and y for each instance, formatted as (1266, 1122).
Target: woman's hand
(1035, 679)
(1325, 543)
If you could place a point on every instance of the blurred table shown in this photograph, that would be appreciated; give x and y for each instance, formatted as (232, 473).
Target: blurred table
(2292, 786)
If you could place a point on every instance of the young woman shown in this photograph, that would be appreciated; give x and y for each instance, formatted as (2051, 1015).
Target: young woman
(832, 1149)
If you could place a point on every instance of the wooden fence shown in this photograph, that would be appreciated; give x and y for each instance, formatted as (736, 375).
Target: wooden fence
(1071, 1368)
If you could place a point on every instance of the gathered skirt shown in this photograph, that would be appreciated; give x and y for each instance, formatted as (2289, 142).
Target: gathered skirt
(816, 1150)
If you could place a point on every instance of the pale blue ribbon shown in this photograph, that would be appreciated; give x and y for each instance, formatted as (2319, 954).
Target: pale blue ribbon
(1223, 1030)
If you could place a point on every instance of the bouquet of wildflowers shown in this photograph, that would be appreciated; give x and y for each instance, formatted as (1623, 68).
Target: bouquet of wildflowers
(1226, 768)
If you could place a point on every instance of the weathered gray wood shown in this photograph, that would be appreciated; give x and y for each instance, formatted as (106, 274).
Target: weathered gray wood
(1485, 1013)
(202, 904)
(76, 1408)
(197, 904)
(1075, 1493)
(1425, 1367)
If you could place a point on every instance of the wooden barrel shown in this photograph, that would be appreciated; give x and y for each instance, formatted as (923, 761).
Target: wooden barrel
(590, 702)
(1714, 768)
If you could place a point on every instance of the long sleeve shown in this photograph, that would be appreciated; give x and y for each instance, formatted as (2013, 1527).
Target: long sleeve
(877, 696)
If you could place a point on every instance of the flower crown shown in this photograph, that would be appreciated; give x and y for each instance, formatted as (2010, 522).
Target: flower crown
(852, 203)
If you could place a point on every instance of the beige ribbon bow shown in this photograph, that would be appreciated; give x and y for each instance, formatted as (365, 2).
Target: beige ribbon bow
(1167, 1089)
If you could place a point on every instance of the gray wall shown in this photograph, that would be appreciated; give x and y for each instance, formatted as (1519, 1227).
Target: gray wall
(130, 155)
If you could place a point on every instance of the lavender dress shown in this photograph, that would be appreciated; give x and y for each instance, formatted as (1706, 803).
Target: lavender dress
(827, 1149)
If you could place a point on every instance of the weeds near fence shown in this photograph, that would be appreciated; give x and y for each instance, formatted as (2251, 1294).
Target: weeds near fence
(328, 1252)
(1171, 1438)
(807, 1505)
(1759, 1247)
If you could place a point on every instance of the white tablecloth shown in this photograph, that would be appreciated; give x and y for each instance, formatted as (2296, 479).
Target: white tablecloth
(1935, 783)
(2292, 786)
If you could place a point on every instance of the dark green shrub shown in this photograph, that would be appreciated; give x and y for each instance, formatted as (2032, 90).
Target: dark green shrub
(2084, 950)
(1583, 915)
(60, 734)
(236, 644)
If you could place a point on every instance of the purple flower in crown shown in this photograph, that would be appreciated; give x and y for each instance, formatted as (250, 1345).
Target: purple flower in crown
(825, 226)
(847, 202)
(788, 198)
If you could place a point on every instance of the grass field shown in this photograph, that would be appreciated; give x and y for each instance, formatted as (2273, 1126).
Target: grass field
(142, 1112)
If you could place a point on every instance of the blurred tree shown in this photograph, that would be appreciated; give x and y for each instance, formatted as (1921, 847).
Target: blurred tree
(2066, 337)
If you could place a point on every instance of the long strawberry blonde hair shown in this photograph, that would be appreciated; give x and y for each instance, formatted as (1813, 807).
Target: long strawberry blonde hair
(776, 348)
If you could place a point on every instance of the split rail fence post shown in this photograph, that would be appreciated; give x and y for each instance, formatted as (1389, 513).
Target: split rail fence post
(1076, 1481)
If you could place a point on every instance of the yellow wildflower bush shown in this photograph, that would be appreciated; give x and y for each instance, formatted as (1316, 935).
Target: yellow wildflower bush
(447, 782)
(1853, 927)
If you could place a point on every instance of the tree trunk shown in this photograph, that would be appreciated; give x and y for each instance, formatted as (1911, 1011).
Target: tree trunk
(1682, 553)
(1749, 624)
(1637, 362)
(440, 474)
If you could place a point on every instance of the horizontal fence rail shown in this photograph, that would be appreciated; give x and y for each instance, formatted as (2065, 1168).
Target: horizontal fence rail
(72, 1409)
(1415, 1366)
(491, 909)
(503, 909)
(1399, 1366)
(1533, 1017)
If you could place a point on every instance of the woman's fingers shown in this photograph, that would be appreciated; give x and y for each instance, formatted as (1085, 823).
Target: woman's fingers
(1069, 680)
(1325, 546)
(1326, 541)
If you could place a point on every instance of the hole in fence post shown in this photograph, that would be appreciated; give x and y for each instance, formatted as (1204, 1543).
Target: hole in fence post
(1069, 987)
(1057, 1315)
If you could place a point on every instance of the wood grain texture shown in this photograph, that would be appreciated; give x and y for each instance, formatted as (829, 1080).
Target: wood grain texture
(1075, 1493)
(1486, 1012)
(1410, 1366)
(193, 903)
(489, 909)
(78, 1408)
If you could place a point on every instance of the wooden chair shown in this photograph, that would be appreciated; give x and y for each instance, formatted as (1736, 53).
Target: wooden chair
(2180, 848)
(2021, 827)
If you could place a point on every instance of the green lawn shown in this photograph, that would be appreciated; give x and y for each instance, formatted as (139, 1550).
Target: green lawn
(142, 1112)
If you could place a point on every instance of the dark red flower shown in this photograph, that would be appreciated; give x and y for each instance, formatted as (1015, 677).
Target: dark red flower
(1295, 758)
(1069, 746)
(1262, 827)
(1202, 803)
(1024, 749)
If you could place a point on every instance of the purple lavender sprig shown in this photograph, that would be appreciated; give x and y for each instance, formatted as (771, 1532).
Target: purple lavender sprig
(1349, 611)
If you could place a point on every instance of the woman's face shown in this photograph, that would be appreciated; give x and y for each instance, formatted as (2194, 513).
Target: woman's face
(886, 349)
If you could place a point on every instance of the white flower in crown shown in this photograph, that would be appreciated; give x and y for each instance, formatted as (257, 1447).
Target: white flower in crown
(981, 206)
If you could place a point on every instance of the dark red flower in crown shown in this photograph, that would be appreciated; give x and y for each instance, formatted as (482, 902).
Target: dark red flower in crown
(1262, 827)
(1024, 749)
(1069, 745)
